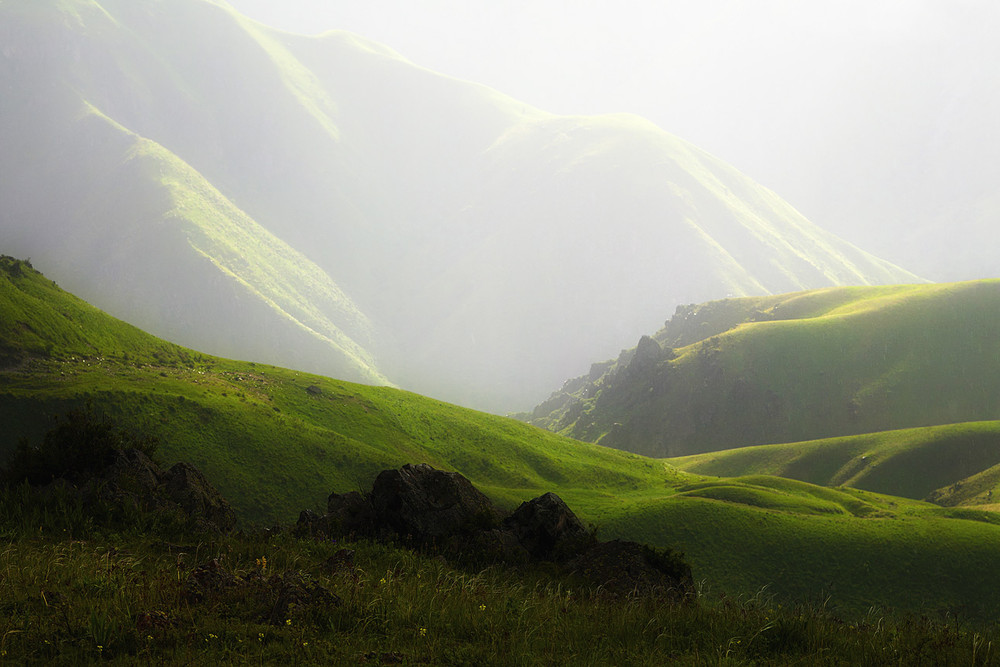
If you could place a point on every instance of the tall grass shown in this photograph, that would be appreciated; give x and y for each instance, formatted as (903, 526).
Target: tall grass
(127, 599)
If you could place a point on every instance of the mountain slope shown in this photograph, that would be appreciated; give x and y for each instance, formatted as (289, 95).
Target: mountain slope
(277, 441)
(138, 230)
(396, 224)
(833, 362)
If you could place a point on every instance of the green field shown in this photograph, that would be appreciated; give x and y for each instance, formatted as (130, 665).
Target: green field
(277, 441)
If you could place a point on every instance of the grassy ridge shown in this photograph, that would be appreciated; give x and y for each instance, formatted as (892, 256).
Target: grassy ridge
(909, 462)
(820, 364)
(277, 441)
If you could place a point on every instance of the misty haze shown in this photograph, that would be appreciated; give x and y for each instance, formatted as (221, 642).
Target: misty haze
(723, 276)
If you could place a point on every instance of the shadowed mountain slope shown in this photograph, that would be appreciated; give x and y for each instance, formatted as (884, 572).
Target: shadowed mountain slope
(819, 364)
(322, 203)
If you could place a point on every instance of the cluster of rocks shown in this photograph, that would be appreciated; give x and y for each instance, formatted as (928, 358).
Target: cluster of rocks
(443, 511)
(132, 485)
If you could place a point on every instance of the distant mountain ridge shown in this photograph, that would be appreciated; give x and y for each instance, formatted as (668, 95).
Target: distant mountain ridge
(321, 203)
(801, 366)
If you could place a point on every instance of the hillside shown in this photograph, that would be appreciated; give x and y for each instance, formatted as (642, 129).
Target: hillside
(801, 366)
(323, 204)
(938, 463)
(276, 441)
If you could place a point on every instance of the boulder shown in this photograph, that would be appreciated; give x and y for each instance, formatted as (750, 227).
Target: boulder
(348, 514)
(547, 528)
(185, 485)
(131, 483)
(425, 504)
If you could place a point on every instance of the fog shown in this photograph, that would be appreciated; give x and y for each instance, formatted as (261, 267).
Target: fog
(875, 119)
(326, 205)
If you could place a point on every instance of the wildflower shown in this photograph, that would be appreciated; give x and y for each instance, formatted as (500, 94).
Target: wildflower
(382, 581)
(304, 644)
(260, 636)
(288, 621)
(423, 632)
(482, 607)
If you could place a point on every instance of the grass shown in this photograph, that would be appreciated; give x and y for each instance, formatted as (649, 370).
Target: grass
(122, 598)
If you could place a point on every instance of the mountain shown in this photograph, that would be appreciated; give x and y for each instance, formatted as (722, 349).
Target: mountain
(324, 204)
(801, 366)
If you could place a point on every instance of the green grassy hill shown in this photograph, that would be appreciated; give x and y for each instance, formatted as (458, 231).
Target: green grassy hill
(914, 463)
(802, 366)
(323, 204)
(276, 441)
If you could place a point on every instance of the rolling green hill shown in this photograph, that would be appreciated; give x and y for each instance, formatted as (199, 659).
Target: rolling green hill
(276, 441)
(802, 366)
(323, 204)
(915, 463)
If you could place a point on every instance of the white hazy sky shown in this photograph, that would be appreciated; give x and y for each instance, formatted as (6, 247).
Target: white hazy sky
(818, 100)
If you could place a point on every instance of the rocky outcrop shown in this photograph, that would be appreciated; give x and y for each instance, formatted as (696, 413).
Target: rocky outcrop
(132, 486)
(184, 485)
(547, 528)
(430, 508)
(425, 504)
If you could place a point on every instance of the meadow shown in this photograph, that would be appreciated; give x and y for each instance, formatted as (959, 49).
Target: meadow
(277, 441)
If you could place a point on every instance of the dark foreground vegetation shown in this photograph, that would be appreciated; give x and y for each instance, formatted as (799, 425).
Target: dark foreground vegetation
(84, 580)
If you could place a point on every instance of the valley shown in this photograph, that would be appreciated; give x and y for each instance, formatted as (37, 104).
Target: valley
(258, 270)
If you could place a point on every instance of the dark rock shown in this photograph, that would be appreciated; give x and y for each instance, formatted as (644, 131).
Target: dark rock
(647, 353)
(349, 514)
(310, 523)
(623, 568)
(424, 504)
(496, 545)
(131, 484)
(444, 510)
(547, 528)
(186, 486)
(313, 390)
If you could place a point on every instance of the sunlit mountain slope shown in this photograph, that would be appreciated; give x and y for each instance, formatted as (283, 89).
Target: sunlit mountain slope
(801, 366)
(322, 203)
